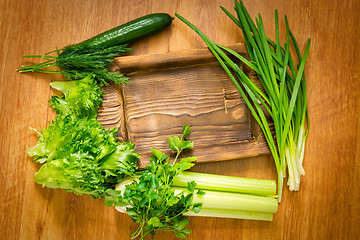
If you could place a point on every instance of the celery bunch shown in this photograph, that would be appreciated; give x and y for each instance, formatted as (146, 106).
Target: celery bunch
(161, 196)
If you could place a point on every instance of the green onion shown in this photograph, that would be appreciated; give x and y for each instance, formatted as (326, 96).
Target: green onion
(284, 95)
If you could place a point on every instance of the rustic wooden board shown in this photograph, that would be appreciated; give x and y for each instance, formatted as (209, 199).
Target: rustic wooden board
(185, 87)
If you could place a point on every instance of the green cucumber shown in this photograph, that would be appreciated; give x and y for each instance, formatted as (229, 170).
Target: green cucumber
(129, 32)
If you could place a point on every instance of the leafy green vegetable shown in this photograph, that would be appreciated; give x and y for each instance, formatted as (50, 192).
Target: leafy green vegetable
(149, 198)
(67, 134)
(81, 173)
(284, 94)
(81, 98)
(75, 128)
(77, 153)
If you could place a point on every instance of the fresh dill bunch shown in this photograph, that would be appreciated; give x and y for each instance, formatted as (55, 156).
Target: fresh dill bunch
(76, 62)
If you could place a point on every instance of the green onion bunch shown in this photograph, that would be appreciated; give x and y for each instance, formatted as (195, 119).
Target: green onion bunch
(283, 91)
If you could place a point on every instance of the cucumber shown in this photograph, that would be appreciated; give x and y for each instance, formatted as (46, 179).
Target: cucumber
(129, 32)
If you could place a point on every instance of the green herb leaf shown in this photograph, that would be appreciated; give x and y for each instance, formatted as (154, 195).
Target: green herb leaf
(175, 143)
(180, 234)
(186, 163)
(172, 144)
(196, 207)
(187, 144)
(158, 154)
(191, 186)
(186, 131)
(154, 222)
(150, 199)
(200, 192)
(182, 223)
(172, 200)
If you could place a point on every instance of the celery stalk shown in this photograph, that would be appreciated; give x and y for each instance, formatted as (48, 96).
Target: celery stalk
(233, 201)
(237, 214)
(222, 183)
(222, 204)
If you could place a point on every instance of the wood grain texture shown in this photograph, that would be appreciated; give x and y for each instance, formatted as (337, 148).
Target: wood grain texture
(328, 203)
(171, 89)
(111, 112)
(173, 59)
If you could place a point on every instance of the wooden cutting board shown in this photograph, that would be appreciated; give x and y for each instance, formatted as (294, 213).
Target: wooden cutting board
(186, 87)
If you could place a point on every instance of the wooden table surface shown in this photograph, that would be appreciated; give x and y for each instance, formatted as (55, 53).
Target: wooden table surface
(328, 203)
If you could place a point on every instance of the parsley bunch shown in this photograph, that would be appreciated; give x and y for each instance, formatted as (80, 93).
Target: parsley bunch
(151, 201)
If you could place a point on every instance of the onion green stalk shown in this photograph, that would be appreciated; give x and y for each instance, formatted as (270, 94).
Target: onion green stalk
(284, 94)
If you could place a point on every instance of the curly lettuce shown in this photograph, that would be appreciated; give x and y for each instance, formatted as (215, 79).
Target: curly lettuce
(77, 153)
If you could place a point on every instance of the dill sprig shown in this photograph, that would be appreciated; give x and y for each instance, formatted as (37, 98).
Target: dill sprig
(76, 62)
